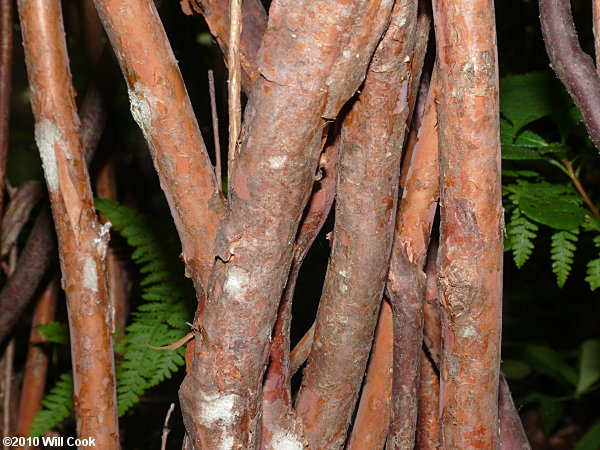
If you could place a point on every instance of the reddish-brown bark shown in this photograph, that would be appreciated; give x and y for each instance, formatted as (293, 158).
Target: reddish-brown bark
(279, 418)
(161, 107)
(512, 434)
(370, 428)
(470, 249)
(313, 58)
(36, 366)
(371, 140)
(596, 29)
(406, 284)
(82, 240)
(254, 25)
(6, 50)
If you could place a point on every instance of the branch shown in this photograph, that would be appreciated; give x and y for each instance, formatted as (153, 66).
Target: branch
(285, 118)
(406, 281)
(6, 49)
(161, 107)
(82, 241)
(574, 67)
(471, 248)
(372, 137)
(233, 85)
(36, 366)
(17, 214)
(254, 25)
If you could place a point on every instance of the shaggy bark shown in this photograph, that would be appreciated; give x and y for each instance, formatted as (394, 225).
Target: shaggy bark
(6, 50)
(82, 240)
(314, 57)
(406, 283)
(371, 139)
(36, 366)
(470, 250)
(574, 67)
(162, 109)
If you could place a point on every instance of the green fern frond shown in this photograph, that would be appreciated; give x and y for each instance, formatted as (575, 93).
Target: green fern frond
(57, 406)
(521, 233)
(562, 252)
(593, 269)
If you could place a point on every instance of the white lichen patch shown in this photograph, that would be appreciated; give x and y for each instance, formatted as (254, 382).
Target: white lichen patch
(218, 410)
(90, 275)
(345, 273)
(283, 441)
(234, 284)
(142, 102)
(46, 137)
(226, 443)
(277, 162)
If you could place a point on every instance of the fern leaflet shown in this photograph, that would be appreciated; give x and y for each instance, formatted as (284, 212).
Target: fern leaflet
(593, 269)
(521, 233)
(57, 404)
(562, 251)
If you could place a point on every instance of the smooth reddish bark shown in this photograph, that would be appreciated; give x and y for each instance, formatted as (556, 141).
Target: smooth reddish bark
(471, 249)
(161, 107)
(371, 139)
(6, 50)
(406, 284)
(82, 240)
(314, 57)
(36, 366)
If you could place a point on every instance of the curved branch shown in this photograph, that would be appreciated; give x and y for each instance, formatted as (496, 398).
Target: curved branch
(574, 67)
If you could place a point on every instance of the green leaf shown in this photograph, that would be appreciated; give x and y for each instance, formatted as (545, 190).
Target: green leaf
(514, 152)
(562, 252)
(552, 211)
(551, 412)
(58, 405)
(547, 361)
(528, 97)
(590, 440)
(507, 133)
(589, 369)
(593, 266)
(521, 233)
(528, 138)
(56, 332)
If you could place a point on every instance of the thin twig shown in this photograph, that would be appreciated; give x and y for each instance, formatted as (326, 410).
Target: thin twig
(166, 430)
(596, 28)
(234, 88)
(580, 188)
(302, 350)
(9, 356)
(215, 124)
(6, 41)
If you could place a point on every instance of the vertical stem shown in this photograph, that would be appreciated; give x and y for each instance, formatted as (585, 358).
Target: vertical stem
(6, 48)
(8, 358)
(36, 366)
(596, 28)
(234, 86)
(471, 248)
(82, 240)
(215, 125)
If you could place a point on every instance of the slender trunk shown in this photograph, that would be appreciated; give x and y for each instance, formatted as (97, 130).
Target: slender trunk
(286, 115)
(428, 422)
(470, 250)
(372, 421)
(372, 137)
(82, 240)
(406, 285)
(6, 50)
(36, 366)
(162, 109)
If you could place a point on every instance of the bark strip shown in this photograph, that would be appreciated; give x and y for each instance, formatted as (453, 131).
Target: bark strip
(372, 137)
(314, 57)
(574, 67)
(471, 249)
(161, 107)
(82, 240)
(406, 281)
(6, 51)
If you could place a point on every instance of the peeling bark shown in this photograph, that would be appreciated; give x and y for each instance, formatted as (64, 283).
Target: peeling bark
(313, 58)
(82, 240)
(370, 428)
(36, 366)
(470, 250)
(162, 109)
(406, 283)
(574, 67)
(372, 137)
